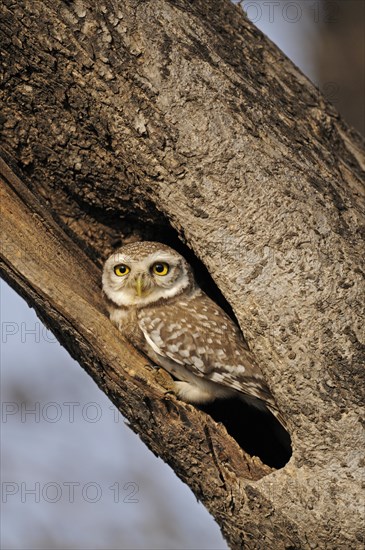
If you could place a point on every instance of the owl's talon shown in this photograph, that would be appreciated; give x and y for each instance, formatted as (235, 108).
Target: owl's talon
(149, 367)
(169, 392)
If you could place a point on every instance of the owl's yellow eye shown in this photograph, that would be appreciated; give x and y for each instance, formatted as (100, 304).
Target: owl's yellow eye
(121, 270)
(160, 268)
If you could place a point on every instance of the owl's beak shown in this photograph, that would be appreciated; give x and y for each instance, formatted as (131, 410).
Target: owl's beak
(140, 286)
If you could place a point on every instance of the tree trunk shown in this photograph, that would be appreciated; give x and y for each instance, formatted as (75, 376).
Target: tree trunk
(179, 121)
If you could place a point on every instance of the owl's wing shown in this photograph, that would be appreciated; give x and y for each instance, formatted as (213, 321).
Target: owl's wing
(200, 336)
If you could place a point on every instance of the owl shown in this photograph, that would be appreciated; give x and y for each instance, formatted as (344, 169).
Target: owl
(154, 300)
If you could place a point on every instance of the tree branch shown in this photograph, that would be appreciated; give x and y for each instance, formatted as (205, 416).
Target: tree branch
(63, 285)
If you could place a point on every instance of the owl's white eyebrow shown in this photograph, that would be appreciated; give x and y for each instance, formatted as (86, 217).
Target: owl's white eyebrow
(118, 258)
(162, 257)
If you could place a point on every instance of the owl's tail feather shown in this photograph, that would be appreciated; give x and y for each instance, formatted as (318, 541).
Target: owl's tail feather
(264, 404)
(273, 409)
(280, 427)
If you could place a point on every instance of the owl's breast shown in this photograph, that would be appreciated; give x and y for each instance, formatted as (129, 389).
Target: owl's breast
(126, 321)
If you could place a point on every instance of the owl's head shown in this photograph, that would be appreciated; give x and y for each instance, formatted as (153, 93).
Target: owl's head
(142, 273)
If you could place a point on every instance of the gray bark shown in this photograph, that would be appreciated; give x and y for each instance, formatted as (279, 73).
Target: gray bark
(180, 122)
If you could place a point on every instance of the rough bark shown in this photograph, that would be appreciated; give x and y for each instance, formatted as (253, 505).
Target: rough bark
(179, 121)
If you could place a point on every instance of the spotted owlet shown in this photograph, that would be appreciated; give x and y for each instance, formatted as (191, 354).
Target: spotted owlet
(155, 302)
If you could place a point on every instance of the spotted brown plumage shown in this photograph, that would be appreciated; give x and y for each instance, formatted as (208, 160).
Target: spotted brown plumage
(154, 300)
